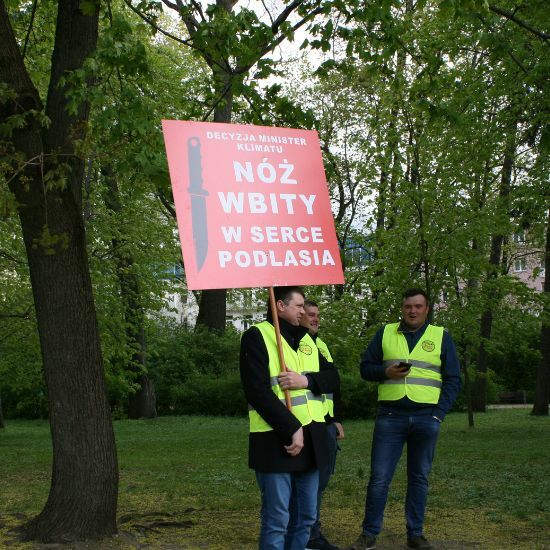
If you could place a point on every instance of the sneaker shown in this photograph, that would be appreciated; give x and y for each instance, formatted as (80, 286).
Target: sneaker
(419, 543)
(364, 542)
(320, 543)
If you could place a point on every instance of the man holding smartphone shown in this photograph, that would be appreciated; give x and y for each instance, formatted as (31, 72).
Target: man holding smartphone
(419, 374)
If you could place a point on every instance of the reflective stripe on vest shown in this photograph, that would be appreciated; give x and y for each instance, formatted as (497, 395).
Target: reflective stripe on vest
(423, 383)
(306, 406)
(419, 364)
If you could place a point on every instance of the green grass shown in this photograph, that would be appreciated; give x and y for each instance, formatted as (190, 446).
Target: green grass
(489, 485)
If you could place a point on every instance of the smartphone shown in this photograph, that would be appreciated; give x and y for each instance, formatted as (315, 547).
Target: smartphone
(404, 366)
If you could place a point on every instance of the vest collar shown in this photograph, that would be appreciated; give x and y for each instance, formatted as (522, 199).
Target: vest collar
(292, 334)
(404, 328)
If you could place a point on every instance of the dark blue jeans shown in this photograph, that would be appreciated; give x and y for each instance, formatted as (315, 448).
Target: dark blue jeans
(288, 509)
(324, 476)
(391, 432)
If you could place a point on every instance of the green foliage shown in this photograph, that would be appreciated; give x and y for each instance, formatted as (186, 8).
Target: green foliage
(22, 387)
(202, 394)
(415, 106)
(342, 330)
(514, 350)
(359, 398)
(195, 372)
(494, 387)
(426, 106)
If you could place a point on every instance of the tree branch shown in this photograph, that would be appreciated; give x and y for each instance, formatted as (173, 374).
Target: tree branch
(189, 22)
(268, 13)
(271, 45)
(156, 27)
(508, 50)
(197, 6)
(29, 30)
(11, 258)
(23, 315)
(166, 203)
(284, 15)
(298, 25)
(226, 89)
(512, 17)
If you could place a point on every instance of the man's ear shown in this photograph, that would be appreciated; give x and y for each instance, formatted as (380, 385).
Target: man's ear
(280, 305)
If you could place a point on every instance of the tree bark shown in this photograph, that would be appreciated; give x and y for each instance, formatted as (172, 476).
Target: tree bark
(2, 424)
(142, 403)
(468, 388)
(542, 388)
(83, 492)
(479, 388)
(213, 303)
(416, 183)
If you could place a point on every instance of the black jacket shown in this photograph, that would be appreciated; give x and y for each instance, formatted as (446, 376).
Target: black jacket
(266, 451)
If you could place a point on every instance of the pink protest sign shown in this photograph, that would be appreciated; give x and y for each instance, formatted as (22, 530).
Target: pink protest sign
(252, 206)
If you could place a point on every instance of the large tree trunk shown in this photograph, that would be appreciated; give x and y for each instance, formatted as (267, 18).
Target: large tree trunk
(2, 425)
(416, 183)
(143, 402)
(213, 303)
(542, 388)
(479, 389)
(389, 175)
(83, 493)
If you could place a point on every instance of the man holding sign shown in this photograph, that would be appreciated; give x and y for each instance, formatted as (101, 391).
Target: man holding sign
(286, 447)
(253, 210)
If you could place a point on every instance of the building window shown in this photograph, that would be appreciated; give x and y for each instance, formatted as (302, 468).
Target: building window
(519, 265)
(519, 237)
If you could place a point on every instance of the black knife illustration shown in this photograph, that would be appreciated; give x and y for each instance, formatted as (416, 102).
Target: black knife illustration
(198, 201)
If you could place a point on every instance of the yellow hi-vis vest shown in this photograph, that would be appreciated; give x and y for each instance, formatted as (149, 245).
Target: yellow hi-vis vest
(423, 383)
(328, 398)
(323, 348)
(306, 406)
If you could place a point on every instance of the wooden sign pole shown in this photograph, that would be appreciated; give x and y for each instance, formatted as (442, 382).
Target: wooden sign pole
(282, 363)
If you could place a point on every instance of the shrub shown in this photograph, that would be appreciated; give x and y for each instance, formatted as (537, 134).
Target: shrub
(204, 395)
(195, 372)
(359, 398)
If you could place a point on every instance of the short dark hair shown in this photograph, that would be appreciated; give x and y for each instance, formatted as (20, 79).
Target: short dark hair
(409, 293)
(285, 293)
(310, 303)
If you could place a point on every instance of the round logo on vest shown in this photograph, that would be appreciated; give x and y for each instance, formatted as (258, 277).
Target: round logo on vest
(428, 345)
(305, 348)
